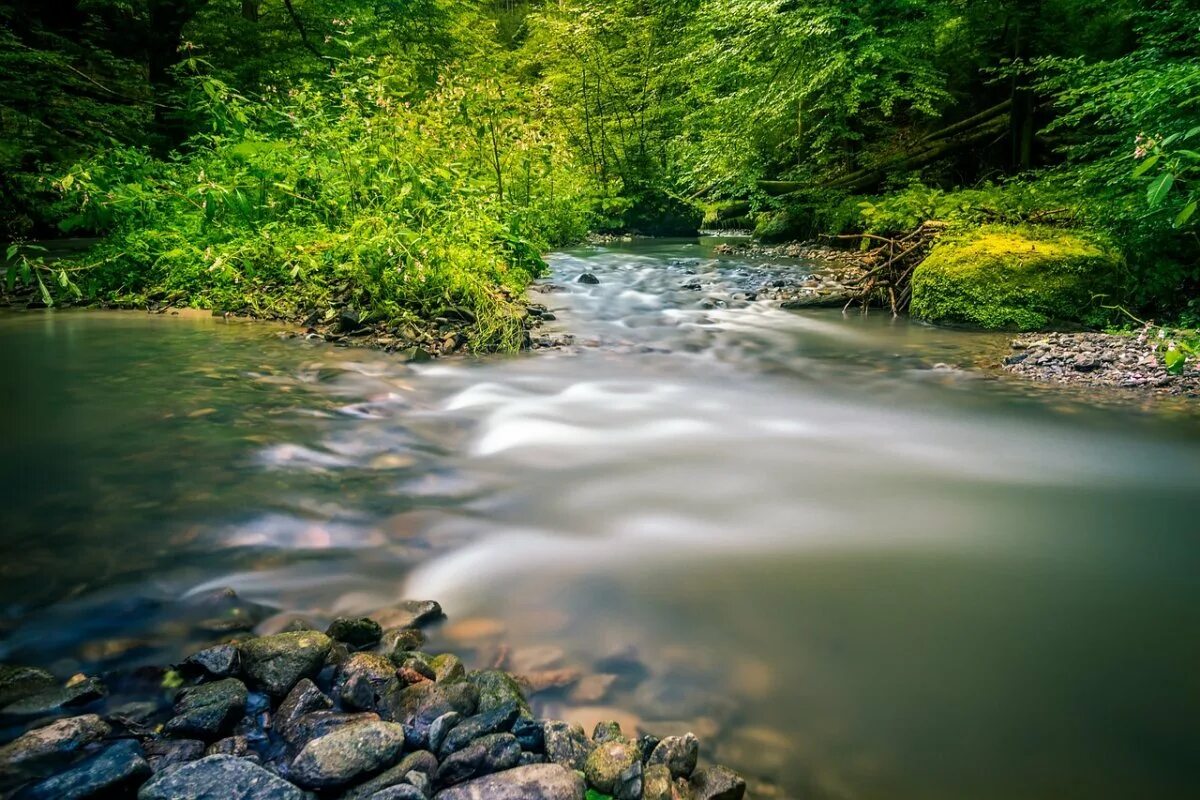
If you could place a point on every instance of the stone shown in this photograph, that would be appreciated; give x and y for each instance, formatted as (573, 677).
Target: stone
(205, 711)
(549, 679)
(448, 668)
(656, 783)
(497, 689)
(231, 746)
(409, 614)
(492, 753)
(606, 730)
(364, 681)
(163, 754)
(499, 720)
(420, 704)
(321, 723)
(440, 727)
(566, 744)
(39, 751)
(401, 791)
(421, 761)
(355, 631)
(536, 659)
(606, 766)
(532, 782)
(717, 783)
(17, 682)
(108, 771)
(396, 643)
(219, 778)
(218, 662)
(678, 754)
(347, 753)
(530, 733)
(49, 701)
(416, 667)
(304, 698)
(592, 688)
(276, 663)
(646, 744)
(588, 278)
(531, 758)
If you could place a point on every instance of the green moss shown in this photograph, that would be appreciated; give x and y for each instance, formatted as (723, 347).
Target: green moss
(1026, 277)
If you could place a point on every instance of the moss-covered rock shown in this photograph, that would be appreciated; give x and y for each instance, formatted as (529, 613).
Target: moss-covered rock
(1025, 278)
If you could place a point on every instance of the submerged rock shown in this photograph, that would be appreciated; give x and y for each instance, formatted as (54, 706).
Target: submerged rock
(117, 766)
(48, 701)
(207, 710)
(717, 783)
(356, 632)
(343, 755)
(17, 682)
(410, 614)
(533, 782)
(219, 778)
(588, 278)
(44, 749)
(275, 663)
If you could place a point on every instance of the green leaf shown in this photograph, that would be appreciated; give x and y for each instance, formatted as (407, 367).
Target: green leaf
(1174, 361)
(67, 180)
(1192, 154)
(63, 280)
(1159, 188)
(1145, 166)
(1185, 214)
(46, 298)
(13, 249)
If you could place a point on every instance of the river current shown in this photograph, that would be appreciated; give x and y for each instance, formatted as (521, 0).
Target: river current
(849, 556)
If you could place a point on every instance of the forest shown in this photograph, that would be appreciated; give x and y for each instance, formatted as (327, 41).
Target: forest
(410, 160)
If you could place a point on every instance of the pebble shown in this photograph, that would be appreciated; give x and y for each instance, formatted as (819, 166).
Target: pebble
(348, 752)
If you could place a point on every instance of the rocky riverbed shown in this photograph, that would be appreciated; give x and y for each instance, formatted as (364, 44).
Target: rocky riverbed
(357, 712)
(1099, 359)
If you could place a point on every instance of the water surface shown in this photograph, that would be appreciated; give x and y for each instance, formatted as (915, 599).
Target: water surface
(858, 565)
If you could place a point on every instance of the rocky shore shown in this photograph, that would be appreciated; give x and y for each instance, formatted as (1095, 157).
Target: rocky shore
(357, 712)
(1099, 360)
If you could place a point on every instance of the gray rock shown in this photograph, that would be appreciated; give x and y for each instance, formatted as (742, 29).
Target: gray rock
(219, 778)
(533, 782)
(448, 668)
(678, 754)
(646, 743)
(322, 723)
(496, 689)
(421, 761)
(36, 753)
(442, 726)
(275, 663)
(397, 643)
(611, 766)
(499, 720)
(207, 710)
(238, 746)
(531, 758)
(587, 277)
(117, 766)
(488, 754)
(402, 791)
(566, 744)
(420, 780)
(364, 681)
(49, 701)
(420, 704)
(530, 733)
(355, 631)
(413, 614)
(606, 731)
(304, 698)
(717, 783)
(347, 753)
(17, 682)
(219, 662)
(416, 667)
(166, 753)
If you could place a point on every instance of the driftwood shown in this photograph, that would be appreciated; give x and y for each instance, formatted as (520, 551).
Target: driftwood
(889, 266)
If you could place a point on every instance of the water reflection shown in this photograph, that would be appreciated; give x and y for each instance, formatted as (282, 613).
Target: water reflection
(857, 565)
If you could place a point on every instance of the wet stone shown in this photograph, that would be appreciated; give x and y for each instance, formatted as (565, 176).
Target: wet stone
(276, 663)
(117, 766)
(656, 783)
(678, 754)
(218, 662)
(410, 614)
(419, 762)
(219, 778)
(355, 632)
(530, 733)
(615, 767)
(205, 711)
(717, 783)
(588, 278)
(566, 744)
(396, 643)
(606, 731)
(305, 698)
(533, 782)
(364, 681)
(488, 754)
(440, 727)
(499, 720)
(646, 744)
(347, 753)
(448, 668)
(49, 701)
(36, 753)
(497, 689)
(238, 746)
(422, 703)
(163, 754)
(322, 723)
(17, 682)
(402, 791)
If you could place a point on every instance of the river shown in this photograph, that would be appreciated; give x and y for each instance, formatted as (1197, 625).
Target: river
(857, 563)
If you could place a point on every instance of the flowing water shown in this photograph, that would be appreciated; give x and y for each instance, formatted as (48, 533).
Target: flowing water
(853, 570)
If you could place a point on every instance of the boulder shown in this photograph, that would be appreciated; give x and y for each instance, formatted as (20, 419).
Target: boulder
(448, 668)
(587, 277)
(678, 754)
(530, 733)
(397, 643)
(656, 783)
(717, 783)
(107, 772)
(420, 704)
(207, 710)
(276, 663)
(38, 752)
(17, 682)
(410, 614)
(219, 778)
(162, 754)
(1025, 277)
(533, 782)
(322, 723)
(347, 753)
(303, 699)
(499, 720)
(364, 681)
(57, 699)
(355, 631)
(615, 767)
(566, 744)
(496, 689)
(217, 662)
(421, 762)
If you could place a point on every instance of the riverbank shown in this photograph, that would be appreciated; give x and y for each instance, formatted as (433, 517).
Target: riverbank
(359, 712)
(1127, 362)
